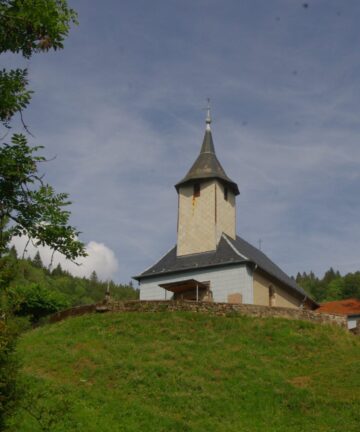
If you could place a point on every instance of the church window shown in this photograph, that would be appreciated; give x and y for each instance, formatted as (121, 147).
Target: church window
(196, 190)
(226, 193)
(271, 296)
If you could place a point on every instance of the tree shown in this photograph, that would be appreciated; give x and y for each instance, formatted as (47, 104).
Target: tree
(58, 271)
(352, 285)
(37, 261)
(36, 301)
(12, 252)
(5, 234)
(335, 289)
(94, 277)
(28, 27)
(32, 206)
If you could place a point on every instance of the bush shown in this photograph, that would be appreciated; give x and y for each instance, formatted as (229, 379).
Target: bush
(8, 370)
(36, 301)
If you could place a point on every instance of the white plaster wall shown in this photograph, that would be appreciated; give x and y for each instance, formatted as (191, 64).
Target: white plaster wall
(223, 281)
(352, 322)
(196, 229)
(226, 212)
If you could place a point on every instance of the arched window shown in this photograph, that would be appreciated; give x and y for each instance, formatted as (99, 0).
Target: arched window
(271, 296)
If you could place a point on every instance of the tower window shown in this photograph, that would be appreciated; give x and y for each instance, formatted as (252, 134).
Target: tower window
(196, 190)
(226, 193)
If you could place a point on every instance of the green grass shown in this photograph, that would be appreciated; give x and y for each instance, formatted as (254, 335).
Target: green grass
(189, 372)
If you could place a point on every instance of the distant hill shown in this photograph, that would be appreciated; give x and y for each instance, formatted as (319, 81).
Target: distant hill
(188, 372)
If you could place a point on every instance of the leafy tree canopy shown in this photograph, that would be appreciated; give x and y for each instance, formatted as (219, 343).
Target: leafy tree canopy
(28, 27)
(32, 206)
(332, 286)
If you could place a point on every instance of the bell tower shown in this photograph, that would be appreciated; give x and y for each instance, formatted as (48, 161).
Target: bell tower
(206, 207)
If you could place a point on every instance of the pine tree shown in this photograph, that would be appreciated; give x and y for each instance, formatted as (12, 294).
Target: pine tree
(37, 262)
(58, 271)
(94, 277)
(13, 252)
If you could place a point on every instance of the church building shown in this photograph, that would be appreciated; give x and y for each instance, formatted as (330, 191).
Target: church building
(210, 262)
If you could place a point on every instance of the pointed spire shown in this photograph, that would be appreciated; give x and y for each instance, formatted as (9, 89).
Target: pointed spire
(208, 145)
(207, 165)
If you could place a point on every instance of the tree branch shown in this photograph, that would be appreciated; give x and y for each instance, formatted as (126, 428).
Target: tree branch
(25, 248)
(24, 125)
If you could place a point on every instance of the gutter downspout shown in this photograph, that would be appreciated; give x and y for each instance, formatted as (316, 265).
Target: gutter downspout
(303, 302)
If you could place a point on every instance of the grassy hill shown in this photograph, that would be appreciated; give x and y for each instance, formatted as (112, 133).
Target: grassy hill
(188, 372)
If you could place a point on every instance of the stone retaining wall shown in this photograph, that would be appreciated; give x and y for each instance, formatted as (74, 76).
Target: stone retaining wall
(75, 311)
(204, 307)
(225, 309)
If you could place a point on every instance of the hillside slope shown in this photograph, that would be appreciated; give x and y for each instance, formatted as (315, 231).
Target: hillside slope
(189, 372)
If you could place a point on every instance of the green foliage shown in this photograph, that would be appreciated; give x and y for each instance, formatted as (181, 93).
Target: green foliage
(13, 252)
(28, 27)
(46, 409)
(31, 26)
(37, 262)
(94, 277)
(194, 372)
(50, 291)
(31, 205)
(332, 286)
(13, 93)
(352, 285)
(8, 368)
(36, 301)
(5, 234)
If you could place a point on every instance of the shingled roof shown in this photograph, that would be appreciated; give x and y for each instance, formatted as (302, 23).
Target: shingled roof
(207, 166)
(229, 251)
(344, 307)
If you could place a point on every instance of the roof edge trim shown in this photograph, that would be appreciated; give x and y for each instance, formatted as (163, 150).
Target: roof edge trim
(226, 263)
(233, 247)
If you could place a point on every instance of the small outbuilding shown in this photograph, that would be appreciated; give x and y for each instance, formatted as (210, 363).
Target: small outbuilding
(348, 307)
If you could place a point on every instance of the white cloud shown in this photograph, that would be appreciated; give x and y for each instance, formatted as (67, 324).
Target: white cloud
(100, 258)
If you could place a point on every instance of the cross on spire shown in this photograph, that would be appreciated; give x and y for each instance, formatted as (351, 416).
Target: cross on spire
(208, 115)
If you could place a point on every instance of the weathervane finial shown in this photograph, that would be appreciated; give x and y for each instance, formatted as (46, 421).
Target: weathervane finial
(208, 115)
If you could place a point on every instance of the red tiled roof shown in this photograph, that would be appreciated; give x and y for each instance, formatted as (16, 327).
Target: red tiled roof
(343, 307)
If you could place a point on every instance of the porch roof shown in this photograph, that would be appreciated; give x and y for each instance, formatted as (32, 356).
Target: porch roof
(183, 285)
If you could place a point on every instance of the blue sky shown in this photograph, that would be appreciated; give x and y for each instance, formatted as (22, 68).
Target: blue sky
(122, 108)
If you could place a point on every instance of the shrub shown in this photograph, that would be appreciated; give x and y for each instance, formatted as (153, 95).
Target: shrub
(36, 301)
(8, 370)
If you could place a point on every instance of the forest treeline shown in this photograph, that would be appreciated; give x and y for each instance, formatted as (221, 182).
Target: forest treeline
(332, 286)
(32, 290)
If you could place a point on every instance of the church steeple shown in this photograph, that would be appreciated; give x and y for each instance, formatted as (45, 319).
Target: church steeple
(206, 201)
(207, 165)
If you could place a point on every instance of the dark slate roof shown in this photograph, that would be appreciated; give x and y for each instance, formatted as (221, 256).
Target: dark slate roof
(229, 251)
(207, 166)
(171, 263)
(257, 257)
